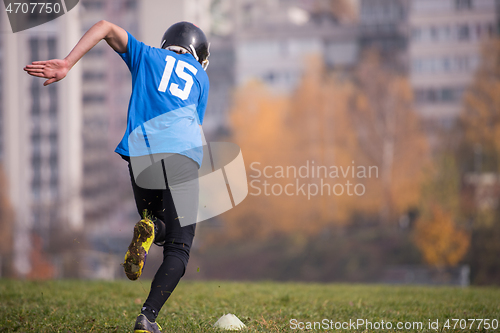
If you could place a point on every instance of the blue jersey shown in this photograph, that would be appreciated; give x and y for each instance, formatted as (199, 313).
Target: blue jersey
(169, 97)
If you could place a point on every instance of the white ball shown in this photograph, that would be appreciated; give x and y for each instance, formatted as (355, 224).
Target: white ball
(229, 322)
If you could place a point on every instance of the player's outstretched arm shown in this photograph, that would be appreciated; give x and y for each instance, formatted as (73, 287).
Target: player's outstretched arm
(56, 69)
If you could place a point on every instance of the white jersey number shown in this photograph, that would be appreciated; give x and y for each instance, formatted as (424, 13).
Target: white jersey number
(181, 73)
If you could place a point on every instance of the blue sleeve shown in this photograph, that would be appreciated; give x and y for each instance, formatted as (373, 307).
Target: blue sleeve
(202, 102)
(135, 50)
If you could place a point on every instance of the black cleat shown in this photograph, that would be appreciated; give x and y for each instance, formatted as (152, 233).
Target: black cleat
(143, 325)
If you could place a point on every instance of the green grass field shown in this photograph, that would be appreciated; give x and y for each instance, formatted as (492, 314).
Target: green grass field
(85, 306)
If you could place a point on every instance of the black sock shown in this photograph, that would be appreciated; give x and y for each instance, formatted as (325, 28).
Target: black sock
(164, 283)
(149, 313)
(160, 231)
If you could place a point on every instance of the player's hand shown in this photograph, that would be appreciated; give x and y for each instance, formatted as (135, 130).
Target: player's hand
(53, 70)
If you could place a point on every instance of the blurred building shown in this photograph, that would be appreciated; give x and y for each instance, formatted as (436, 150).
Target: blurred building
(497, 2)
(109, 209)
(106, 89)
(384, 26)
(438, 43)
(2, 27)
(221, 70)
(41, 154)
(155, 16)
(221, 73)
(445, 50)
(273, 40)
(57, 148)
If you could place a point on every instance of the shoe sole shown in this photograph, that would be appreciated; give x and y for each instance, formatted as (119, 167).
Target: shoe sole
(138, 249)
(143, 331)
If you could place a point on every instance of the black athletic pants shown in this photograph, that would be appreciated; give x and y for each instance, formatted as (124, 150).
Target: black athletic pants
(178, 240)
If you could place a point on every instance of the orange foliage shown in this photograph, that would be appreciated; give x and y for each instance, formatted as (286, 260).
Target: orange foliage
(330, 120)
(441, 242)
(480, 116)
(258, 118)
(390, 135)
(41, 268)
(325, 132)
(482, 103)
(6, 218)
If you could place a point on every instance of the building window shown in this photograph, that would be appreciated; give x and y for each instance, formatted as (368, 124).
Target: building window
(457, 64)
(36, 136)
(417, 65)
(35, 192)
(130, 4)
(432, 95)
(52, 47)
(446, 65)
(438, 95)
(462, 64)
(463, 4)
(447, 95)
(34, 48)
(269, 77)
(52, 102)
(36, 166)
(463, 32)
(434, 33)
(35, 97)
(445, 33)
(53, 139)
(491, 29)
(417, 34)
(41, 159)
(94, 98)
(93, 5)
(419, 96)
(94, 76)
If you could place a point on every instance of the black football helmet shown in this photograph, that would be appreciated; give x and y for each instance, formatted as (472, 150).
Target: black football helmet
(189, 37)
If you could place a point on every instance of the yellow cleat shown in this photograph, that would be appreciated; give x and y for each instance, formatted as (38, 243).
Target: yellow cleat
(135, 258)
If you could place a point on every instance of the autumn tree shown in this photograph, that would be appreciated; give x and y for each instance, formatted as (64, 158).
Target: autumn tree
(324, 134)
(438, 238)
(311, 126)
(332, 120)
(389, 134)
(439, 232)
(259, 129)
(480, 122)
(481, 113)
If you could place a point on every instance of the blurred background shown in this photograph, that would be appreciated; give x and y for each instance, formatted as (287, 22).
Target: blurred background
(410, 88)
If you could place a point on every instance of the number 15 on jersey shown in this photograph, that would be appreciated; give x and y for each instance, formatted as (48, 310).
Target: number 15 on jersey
(180, 70)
